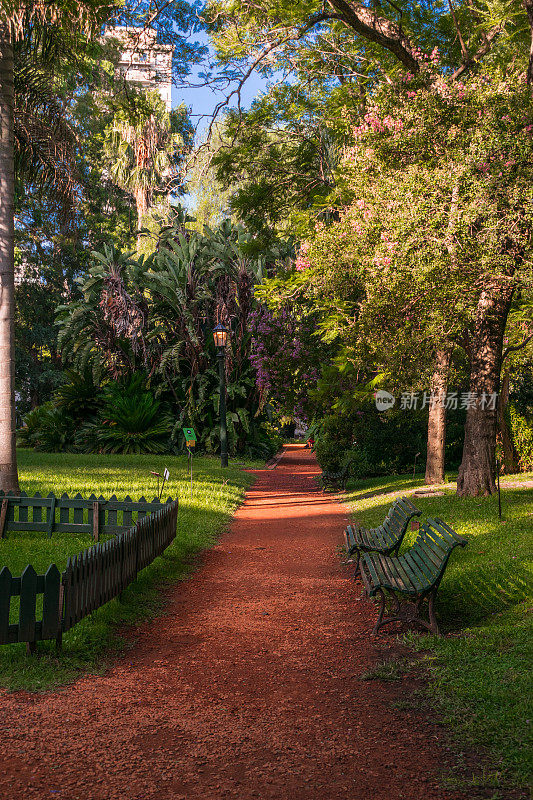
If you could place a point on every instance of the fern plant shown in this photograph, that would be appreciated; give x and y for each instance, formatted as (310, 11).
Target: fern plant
(131, 420)
(78, 396)
(47, 428)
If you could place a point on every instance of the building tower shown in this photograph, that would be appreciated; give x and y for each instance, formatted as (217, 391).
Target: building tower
(144, 61)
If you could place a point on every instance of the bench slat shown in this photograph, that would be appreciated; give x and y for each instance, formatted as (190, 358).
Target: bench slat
(436, 540)
(426, 554)
(367, 560)
(427, 569)
(415, 577)
(432, 545)
(398, 578)
(383, 536)
(447, 533)
(392, 533)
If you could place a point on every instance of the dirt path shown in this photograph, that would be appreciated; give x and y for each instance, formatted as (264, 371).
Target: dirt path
(248, 687)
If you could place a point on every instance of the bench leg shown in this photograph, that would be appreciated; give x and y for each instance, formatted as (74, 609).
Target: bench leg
(395, 601)
(409, 612)
(433, 626)
(377, 626)
(357, 571)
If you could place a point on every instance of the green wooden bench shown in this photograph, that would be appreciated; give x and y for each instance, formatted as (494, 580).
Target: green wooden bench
(336, 480)
(416, 574)
(387, 538)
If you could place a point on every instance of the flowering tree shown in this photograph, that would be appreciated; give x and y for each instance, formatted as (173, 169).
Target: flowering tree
(436, 230)
(285, 354)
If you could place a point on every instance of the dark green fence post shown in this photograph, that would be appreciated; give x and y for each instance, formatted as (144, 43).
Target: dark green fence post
(5, 603)
(28, 597)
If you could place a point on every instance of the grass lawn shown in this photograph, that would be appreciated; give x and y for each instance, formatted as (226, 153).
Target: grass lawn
(202, 517)
(480, 669)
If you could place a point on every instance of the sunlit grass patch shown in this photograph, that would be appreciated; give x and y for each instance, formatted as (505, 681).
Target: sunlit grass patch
(203, 515)
(480, 669)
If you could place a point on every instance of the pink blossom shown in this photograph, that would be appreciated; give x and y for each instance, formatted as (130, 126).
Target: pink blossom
(302, 264)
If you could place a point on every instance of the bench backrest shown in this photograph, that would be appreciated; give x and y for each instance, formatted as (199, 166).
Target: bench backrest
(434, 544)
(399, 514)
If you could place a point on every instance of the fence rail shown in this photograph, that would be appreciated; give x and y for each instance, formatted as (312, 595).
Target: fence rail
(93, 515)
(95, 576)
(90, 580)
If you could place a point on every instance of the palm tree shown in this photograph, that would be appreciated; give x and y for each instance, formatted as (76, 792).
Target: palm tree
(8, 463)
(16, 18)
(144, 145)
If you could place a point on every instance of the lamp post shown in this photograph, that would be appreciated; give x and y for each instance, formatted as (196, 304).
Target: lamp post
(220, 335)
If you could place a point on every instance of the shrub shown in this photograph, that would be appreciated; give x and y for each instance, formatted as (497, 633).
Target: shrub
(48, 429)
(334, 438)
(382, 443)
(130, 420)
(78, 395)
(265, 441)
(390, 441)
(522, 433)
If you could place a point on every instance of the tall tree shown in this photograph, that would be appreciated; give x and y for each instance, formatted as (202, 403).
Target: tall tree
(15, 19)
(8, 458)
(426, 152)
(173, 21)
(145, 146)
(267, 36)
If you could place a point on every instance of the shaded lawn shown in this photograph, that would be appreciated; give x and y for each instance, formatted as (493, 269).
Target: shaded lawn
(480, 668)
(202, 517)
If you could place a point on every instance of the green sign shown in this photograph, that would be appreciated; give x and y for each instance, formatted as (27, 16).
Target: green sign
(189, 434)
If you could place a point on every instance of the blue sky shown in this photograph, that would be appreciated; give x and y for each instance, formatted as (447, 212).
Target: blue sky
(203, 100)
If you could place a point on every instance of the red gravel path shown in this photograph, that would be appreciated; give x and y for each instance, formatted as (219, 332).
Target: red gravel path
(248, 687)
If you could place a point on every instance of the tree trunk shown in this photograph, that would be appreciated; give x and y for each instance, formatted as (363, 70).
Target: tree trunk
(528, 5)
(510, 461)
(439, 379)
(378, 29)
(141, 203)
(477, 470)
(437, 419)
(8, 454)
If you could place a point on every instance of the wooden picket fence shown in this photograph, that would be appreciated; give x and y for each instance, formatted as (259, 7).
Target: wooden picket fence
(93, 515)
(90, 580)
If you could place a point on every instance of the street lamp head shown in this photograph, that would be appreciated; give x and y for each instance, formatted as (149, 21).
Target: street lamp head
(220, 335)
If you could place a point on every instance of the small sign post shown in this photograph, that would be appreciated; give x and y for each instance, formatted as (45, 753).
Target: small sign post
(190, 441)
(165, 476)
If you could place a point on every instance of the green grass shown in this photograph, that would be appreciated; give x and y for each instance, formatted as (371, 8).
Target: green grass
(480, 668)
(202, 517)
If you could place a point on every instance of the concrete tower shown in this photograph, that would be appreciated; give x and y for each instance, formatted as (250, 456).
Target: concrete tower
(144, 61)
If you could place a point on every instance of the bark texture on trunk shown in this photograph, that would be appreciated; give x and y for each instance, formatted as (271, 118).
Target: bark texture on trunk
(477, 470)
(510, 459)
(377, 29)
(528, 5)
(141, 204)
(437, 419)
(8, 455)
